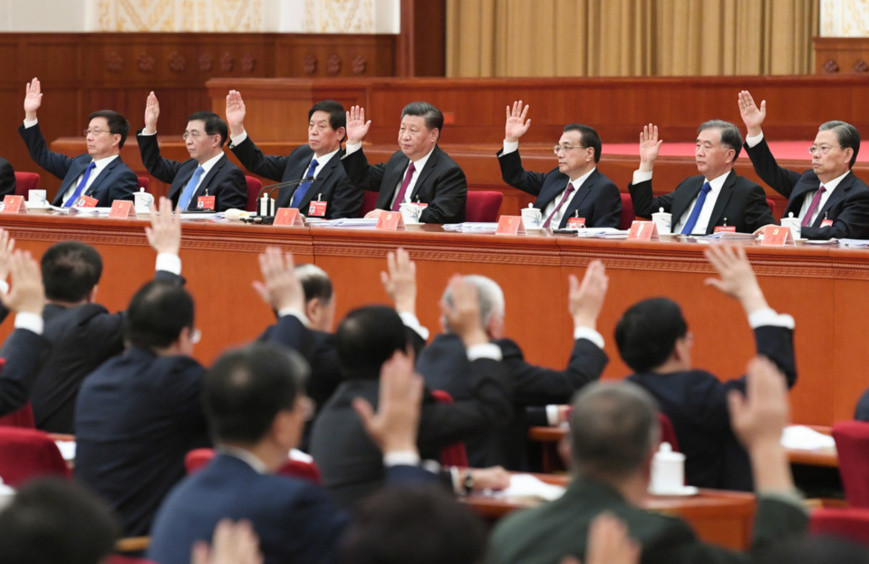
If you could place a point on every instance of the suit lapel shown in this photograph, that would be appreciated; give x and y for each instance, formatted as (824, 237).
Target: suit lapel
(77, 168)
(315, 189)
(680, 205)
(425, 172)
(837, 196)
(209, 176)
(95, 186)
(392, 177)
(721, 203)
(582, 193)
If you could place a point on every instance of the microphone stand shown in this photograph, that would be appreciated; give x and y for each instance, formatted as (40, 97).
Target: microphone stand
(266, 204)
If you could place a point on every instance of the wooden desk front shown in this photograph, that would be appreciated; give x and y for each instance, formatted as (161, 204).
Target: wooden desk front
(718, 517)
(823, 288)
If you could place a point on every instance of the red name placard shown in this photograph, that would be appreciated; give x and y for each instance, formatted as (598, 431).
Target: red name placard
(510, 225)
(317, 208)
(575, 222)
(289, 217)
(725, 229)
(390, 221)
(13, 204)
(643, 231)
(205, 203)
(122, 209)
(777, 236)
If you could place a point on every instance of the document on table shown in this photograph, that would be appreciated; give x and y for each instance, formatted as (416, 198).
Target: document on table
(472, 227)
(526, 485)
(805, 438)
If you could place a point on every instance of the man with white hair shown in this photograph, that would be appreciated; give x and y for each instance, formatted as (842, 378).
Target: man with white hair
(445, 366)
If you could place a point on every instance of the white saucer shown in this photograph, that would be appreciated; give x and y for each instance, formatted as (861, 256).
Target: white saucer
(684, 491)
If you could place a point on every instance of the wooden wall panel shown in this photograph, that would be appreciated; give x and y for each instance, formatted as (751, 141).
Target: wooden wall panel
(841, 55)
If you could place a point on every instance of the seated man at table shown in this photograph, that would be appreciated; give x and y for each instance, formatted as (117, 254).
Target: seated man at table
(613, 437)
(717, 197)
(828, 199)
(99, 174)
(419, 173)
(445, 365)
(576, 188)
(653, 340)
(207, 173)
(319, 160)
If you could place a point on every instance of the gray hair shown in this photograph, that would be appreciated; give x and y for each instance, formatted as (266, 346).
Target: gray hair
(846, 134)
(730, 136)
(490, 294)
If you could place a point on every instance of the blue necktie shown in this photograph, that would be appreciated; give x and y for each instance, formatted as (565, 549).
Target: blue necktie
(187, 194)
(303, 187)
(695, 213)
(80, 188)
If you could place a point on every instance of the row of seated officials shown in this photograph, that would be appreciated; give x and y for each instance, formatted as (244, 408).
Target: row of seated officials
(127, 386)
(326, 180)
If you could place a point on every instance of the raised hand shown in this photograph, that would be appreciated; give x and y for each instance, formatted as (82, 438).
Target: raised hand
(152, 112)
(32, 99)
(27, 294)
(7, 245)
(235, 112)
(164, 233)
(233, 543)
(516, 124)
(752, 116)
(737, 278)
(463, 315)
(585, 300)
(649, 147)
(357, 127)
(280, 288)
(400, 280)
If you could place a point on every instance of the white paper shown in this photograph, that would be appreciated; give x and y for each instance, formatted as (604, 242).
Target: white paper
(67, 449)
(472, 227)
(526, 485)
(804, 438)
(860, 243)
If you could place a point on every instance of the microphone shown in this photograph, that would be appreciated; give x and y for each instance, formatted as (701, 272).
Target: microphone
(265, 204)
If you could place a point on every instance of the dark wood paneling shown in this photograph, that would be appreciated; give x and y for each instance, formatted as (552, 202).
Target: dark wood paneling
(421, 49)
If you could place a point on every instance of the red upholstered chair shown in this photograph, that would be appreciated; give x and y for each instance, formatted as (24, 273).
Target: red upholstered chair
(254, 185)
(25, 182)
(198, 458)
(28, 453)
(628, 215)
(771, 205)
(144, 182)
(21, 418)
(847, 522)
(668, 434)
(483, 205)
(369, 201)
(455, 454)
(852, 445)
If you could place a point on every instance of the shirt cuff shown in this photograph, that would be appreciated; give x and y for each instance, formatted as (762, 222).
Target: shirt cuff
(29, 321)
(4, 287)
(552, 415)
(456, 478)
(401, 458)
(753, 141)
(146, 134)
(411, 322)
(768, 317)
(351, 148)
(169, 262)
(485, 350)
(640, 176)
(300, 315)
(510, 147)
(590, 334)
(238, 139)
(29, 123)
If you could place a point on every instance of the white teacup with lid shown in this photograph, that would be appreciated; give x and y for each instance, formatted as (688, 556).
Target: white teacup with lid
(793, 223)
(663, 221)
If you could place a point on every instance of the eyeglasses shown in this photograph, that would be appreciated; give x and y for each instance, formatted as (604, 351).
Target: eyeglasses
(94, 132)
(821, 149)
(567, 148)
(195, 134)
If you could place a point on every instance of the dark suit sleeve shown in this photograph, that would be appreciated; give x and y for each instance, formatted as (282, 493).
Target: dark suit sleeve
(7, 178)
(55, 163)
(160, 168)
(861, 413)
(232, 191)
(851, 219)
(360, 173)
(123, 187)
(779, 179)
(607, 206)
(409, 475)
(24, 353)
(490, 407)
(513, 174)
(645, 204)
(346, 199)
(536, 385)
(450, 198)
(756, 212)
(253, 159)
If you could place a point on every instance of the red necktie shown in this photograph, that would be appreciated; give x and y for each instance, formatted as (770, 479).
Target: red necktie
(567, 192)
(403, 190)
(807, 220)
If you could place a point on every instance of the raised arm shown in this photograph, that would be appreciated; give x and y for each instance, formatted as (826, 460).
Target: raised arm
(32, 99)
(357, 127)
(235, 112)
(152, 112)
(516, 125)
(752, 115)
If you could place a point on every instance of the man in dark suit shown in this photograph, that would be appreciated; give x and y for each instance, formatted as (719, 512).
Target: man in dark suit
(7, 178)
(717, 197)
(82, 332)
(319, 159)
(100, 174)
(350, 465)
(613, 436)
(576, 188)
(207, 173)
(445, 366)
(654, 341)
(419, 173)
(828, 199)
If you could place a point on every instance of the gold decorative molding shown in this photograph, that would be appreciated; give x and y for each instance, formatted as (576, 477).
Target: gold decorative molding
(180, 15)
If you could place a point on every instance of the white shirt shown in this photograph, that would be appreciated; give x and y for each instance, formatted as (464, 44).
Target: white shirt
(206, 166)
(100, 165)
(418, 165)
(716, 184)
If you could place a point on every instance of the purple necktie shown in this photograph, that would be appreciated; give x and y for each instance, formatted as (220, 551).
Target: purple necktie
(807, 220)
(403, 190)
(567, 192)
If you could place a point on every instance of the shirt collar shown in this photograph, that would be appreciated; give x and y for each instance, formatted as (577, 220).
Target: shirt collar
(716, 184)
(209, 164)
(418, 165)
(245, 456)
(581, 180)
(321, 161)
(100, 164)
(831, 185)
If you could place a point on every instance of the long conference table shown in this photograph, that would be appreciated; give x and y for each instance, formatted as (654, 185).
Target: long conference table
(824, 288)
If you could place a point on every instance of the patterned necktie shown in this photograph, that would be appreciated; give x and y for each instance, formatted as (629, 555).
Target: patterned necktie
(303, 187)
(698, 206)
(567, 192)
(187, 194)
(816, 201)
(80, 188)
(403, 190)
